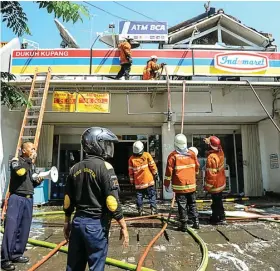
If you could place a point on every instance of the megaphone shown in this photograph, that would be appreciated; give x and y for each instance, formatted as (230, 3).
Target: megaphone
(52, 175)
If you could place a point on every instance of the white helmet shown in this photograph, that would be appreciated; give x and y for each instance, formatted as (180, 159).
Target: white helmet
(194, 150)
(180, 143)
(154, 57)
(138, 148)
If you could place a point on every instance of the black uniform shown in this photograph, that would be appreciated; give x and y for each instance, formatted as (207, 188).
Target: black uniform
(92, 188)
(20, 208)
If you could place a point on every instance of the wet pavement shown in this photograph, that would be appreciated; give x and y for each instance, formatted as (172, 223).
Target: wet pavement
(237, 246)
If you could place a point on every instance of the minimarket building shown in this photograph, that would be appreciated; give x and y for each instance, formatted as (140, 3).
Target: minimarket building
(219, 101)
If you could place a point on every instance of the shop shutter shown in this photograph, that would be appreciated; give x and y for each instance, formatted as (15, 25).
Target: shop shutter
(253, 184)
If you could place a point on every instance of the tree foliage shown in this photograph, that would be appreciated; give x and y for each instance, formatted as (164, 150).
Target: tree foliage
(12, 96)
(16, 19)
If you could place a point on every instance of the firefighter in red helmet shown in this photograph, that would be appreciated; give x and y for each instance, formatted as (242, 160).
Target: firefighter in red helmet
(215, 178)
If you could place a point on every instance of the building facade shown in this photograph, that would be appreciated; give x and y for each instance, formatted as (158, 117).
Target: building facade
(218, 101)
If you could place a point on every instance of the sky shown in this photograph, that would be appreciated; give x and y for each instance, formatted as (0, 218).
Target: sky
(263, 16)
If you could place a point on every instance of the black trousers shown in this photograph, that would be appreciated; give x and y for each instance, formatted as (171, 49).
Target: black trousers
(187, 205)
(17, 227)
(124, 71)
(218, 211)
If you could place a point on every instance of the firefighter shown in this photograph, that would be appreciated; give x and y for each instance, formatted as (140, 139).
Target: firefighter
(215, 178)
(125, 59)
(20, 208)
(151, 69)
(182, 166)
(142, 174)
(92, 188)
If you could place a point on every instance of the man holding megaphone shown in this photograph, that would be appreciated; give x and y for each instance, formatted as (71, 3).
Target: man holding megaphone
(20, 207)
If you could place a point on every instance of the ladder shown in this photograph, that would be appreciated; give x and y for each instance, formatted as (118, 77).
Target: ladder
(33, 118)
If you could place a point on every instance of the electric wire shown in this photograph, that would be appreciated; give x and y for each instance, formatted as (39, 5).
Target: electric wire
(135, 11)
(106, 11)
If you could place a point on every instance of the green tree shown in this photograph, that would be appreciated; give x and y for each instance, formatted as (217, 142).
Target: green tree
(16, 19)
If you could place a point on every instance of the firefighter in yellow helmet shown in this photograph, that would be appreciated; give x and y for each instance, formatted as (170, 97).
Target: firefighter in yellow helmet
(143, 173)
(151, 69)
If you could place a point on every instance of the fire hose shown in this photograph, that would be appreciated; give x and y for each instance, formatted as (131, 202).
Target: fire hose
(143, 257)
(38, 264)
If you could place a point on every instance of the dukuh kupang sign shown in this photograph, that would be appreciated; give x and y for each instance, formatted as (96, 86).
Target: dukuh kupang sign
(242, 62)
(179, 62)
(144, 31)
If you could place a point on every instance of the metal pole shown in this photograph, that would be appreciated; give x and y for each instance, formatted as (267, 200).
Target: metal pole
(235, 162)
(90, 60)
(183, 107)
(256, 94)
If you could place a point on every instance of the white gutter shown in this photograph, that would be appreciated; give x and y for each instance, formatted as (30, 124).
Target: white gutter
(141, 83)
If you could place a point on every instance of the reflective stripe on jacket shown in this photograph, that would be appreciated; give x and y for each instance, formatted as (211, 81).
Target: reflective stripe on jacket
(141, 170)
(125, 52)
(180, 171)
(150, 69)
(215, 172)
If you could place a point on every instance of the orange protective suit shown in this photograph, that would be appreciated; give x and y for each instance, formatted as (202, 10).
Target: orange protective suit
(150, 70)
(125, 52)
(181, 171)
(142, 170)
(215, 172)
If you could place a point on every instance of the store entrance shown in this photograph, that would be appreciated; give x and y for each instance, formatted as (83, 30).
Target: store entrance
(232, 148)
(122, 153)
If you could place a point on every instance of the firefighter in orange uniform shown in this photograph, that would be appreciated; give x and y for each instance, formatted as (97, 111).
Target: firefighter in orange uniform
(125, 59)
(143, 173)
(215, 178)
(181, 169)
(150, 71)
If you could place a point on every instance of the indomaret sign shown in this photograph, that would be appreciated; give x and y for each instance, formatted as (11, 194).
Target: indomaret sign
(144, 31)
(239, 61)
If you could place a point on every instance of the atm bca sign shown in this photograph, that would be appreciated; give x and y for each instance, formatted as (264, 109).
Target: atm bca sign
(241, 62)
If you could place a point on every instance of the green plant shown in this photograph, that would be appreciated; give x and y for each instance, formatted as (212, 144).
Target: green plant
(16, 19)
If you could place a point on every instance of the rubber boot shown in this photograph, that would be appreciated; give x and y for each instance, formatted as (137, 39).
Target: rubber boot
(184, 227)
(222, 220)
(140, 211)
(196, 224)
(214, 220)
(154, 211)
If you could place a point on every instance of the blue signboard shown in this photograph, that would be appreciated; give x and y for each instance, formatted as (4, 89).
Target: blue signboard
(144, 31)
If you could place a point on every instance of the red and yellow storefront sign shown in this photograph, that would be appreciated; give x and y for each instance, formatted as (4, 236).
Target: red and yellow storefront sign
(64, 101)
(93, 102)
(90, 102)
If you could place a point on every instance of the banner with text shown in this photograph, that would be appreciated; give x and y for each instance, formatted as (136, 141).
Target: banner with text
(64, 101)
(93, 102)
(89, 102)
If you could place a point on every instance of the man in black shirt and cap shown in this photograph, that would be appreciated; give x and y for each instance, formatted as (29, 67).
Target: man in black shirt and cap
(92, 188)
(20, 208)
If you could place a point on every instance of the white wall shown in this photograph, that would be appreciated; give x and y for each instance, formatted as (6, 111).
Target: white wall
(10, 127)
(5, 53)
(269, 144)
(238, 106)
